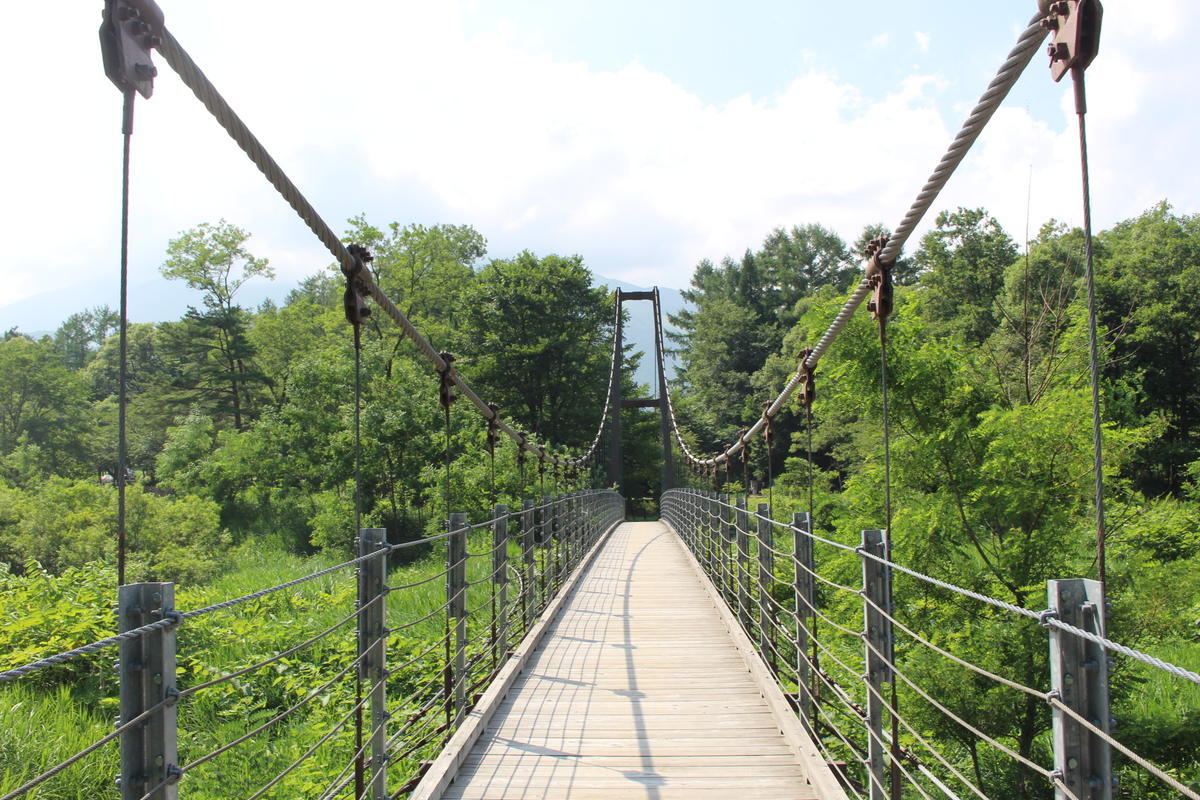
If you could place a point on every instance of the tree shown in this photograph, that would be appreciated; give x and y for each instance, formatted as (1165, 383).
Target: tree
(82, 333)
(212, 351)
(800, 261)
(963, 262)
(42, 405)
(1148, 283)
(213, 365)
(213, 259)
(539, 337)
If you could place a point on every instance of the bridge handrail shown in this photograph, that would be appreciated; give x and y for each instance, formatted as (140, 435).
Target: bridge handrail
(555, 528)
(706, 521)
(1043, 617)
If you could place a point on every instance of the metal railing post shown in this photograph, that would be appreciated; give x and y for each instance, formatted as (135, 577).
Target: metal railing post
(456, 593)
(557, 520)
(1079, 677)
(543, 536)
(528, 533)
(714, 532)
(766, 579)
(149, 756)
(804, 589)
(372, 646)
(728, 538)
(877, 634)
(742, 529)
(500, 584)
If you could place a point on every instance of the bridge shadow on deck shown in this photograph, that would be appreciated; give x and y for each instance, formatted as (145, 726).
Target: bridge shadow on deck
(636, 691)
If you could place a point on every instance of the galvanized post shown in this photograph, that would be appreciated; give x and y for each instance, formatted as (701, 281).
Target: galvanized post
(557, 520)
(149, 758)
(714, 532)
(1079, 677)
(528, 534)
(877, 592)
(544, 541)
(500, 584)
(372, 647)
(743, 563)
(766, 579)
(804, 589)
(456, 588)
(728, 537)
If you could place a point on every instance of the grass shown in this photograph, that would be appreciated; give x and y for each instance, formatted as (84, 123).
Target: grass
(42, 724)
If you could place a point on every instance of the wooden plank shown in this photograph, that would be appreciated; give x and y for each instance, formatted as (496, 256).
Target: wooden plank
(445, 767)
(636, 691)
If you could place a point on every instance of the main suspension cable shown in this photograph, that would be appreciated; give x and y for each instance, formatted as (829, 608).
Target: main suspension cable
(1006, 77)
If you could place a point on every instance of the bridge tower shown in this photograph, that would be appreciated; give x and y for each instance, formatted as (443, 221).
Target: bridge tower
(617, 402)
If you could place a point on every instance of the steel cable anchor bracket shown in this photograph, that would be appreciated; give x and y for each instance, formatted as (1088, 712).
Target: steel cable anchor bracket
(879, 280)
(446, 394)
(808, 379)
(1075, 25)
(129, 31)
(354, 300)
(493, 428)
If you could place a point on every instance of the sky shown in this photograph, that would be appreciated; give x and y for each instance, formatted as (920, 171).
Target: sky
(643, 136)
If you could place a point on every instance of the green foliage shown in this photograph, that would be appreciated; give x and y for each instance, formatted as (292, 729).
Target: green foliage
(63, 524)
(1149, 284)
(42, 404)
(213, 259)
(536, 331)
(963, 262)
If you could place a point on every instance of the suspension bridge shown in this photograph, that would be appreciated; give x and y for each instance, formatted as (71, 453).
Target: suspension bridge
(715, 652)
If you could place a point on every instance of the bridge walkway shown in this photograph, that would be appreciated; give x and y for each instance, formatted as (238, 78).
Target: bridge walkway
(639, 690)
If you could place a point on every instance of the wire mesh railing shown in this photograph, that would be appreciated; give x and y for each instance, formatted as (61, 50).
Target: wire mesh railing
(356, 708)
(850, 657)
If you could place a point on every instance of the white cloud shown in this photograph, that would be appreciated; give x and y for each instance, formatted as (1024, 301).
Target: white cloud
(923, 40)
(881, 40)
(417, 121)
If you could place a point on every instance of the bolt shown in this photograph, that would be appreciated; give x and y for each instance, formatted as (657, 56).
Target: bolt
(125, 13)
(1068, 679)
(1072, 763)
(158, 761)
(145, 72)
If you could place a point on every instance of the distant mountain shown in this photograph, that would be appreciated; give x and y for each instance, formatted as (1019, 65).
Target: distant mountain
(156, 300)
(159, 300)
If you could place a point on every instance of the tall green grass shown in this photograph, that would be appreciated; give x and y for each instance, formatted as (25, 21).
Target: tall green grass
(46, 722)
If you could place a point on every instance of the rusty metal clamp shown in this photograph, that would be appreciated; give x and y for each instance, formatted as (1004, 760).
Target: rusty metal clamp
(808, 379)
(130, 30)
(879, 279)
(493, 429)
(353, 301)
(446, 382)
(522, 455)
(1075, 25)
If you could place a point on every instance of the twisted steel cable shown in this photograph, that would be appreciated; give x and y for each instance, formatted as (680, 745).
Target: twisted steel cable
(195, 79)
(1014, 65)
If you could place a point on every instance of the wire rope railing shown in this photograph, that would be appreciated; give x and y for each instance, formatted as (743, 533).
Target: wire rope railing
(795, 606)
(481, 616)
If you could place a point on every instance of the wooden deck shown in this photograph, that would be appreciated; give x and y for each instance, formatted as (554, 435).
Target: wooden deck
(639, 690)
